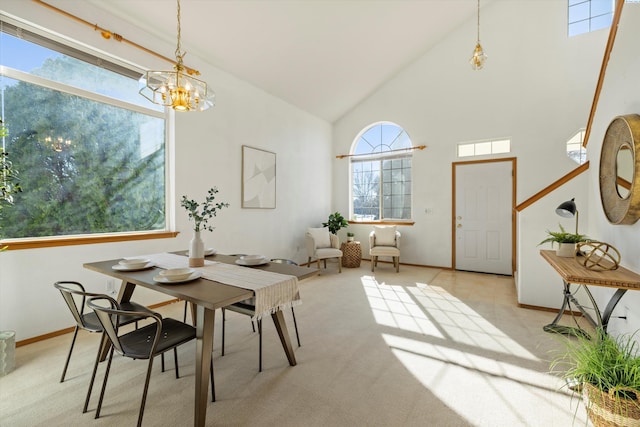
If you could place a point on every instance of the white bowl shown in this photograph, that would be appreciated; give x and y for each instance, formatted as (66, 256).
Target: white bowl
(176, 273)
(134, 262)
(252, 258)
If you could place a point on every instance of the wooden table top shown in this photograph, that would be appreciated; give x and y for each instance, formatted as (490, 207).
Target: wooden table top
(574, 272)
(203, 292)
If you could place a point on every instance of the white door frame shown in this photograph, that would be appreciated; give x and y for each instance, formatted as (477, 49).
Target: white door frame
(513, 161)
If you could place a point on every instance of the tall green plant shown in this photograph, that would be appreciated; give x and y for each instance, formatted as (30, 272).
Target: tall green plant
(606, 362)
(336, 222)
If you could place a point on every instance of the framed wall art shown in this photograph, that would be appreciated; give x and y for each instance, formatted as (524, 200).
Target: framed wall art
(258, 178)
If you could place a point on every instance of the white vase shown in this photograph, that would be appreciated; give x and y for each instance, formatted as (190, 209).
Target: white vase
(196, 250)
(566, 250)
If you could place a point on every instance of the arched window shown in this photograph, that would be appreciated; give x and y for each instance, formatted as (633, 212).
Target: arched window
(381, 174)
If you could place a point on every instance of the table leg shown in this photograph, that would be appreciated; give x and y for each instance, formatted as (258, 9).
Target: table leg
(568, 298)
(610, 306)
(281, 327)
(204, 346)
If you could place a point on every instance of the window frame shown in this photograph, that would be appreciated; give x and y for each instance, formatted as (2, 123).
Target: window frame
(92, 56)
(378, 157)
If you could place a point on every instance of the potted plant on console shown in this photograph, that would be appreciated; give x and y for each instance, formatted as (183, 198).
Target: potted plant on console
(201, 214)
(566, 241)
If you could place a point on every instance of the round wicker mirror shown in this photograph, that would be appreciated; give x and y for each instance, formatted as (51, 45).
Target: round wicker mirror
(620, 170)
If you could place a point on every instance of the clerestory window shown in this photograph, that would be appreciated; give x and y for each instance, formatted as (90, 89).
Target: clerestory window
(381, 185)
(589, 15)
(90, 152)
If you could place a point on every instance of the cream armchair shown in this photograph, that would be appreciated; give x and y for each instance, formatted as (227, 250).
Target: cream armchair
(322, 245)
(384, 241)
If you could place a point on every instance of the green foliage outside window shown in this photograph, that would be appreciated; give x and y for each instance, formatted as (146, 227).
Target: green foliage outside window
(86, 166)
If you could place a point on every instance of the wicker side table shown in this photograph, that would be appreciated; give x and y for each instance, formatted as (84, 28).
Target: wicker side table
(351, 254)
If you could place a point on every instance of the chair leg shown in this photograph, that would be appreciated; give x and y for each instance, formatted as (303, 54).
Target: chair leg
(175, 360)
(66, 364)
(318, 264)
(162, 361)
(397, 263)
(253, 326)
(325, 263)
(104, 383)
(339, 264)
(223, 322)
(185, 312)
(309, 263)
(144, 393)
(372, 262)
(213, 384)
(260, 349)
(93, 375)
(295, 325)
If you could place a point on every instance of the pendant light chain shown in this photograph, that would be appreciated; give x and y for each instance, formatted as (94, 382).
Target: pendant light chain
(478, 22)
(179, 54)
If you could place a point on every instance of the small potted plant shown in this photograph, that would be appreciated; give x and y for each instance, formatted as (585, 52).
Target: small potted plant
(607, 371)
(350, 236)
(201, 214)
(566, 241)
(335, 222)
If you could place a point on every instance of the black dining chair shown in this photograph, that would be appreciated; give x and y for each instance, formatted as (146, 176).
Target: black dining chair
(156, 338)
(75, 296)
(248, 308)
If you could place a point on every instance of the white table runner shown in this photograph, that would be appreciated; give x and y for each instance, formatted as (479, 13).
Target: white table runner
(274, 291)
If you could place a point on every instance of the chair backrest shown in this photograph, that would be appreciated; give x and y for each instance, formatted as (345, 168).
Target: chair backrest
(109, 313)
(75, 296)
(384, 236)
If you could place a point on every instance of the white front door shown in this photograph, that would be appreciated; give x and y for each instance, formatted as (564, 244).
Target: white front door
(483, 217)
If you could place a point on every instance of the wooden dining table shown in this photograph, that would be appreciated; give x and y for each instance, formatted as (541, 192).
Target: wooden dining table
(205, 296)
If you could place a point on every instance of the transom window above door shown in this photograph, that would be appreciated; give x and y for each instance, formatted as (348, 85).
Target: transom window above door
(381, 184)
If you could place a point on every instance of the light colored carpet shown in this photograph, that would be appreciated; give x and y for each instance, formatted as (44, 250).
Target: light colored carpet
(424, 347)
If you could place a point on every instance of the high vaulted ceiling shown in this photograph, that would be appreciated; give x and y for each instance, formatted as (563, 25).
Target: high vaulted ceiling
(323, 56)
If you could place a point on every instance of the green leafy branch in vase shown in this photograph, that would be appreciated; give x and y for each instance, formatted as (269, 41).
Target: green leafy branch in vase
(202, 213)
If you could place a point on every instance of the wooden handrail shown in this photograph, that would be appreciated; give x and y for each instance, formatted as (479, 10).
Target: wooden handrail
(605, 61)
(548, 189)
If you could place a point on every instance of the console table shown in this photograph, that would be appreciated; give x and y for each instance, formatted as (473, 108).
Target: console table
(572, 272)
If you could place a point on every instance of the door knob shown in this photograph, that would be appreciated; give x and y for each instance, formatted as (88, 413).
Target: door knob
(459, 226)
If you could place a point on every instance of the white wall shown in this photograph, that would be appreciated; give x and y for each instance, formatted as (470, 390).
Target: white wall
(536, 88)
(620, 95)
(207, 153)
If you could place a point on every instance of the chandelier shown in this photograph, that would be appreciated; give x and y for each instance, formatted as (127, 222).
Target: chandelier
(177, 89)
(478, 58)
(57, 143)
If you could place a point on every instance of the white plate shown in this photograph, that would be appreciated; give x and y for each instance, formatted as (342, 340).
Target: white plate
(121, 267)
(252, 263)
(167, 281)
(209, 252)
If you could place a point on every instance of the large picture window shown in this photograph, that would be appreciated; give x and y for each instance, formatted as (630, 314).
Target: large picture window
(381, 174)
(90, 152)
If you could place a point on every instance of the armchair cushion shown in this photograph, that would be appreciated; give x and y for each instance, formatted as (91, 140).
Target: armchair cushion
(385, 235)
(320, 237)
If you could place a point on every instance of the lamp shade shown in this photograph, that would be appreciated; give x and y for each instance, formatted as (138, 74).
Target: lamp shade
(567, 209)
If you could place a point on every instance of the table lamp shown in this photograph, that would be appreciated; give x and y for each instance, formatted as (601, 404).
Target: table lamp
(568, 209)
